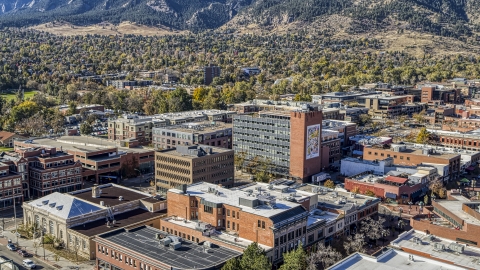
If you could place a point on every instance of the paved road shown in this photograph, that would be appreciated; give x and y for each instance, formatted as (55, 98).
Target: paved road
(12, 255)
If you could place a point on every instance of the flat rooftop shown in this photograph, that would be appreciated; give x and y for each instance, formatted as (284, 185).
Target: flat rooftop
(390, 259)
(189, 255)
(197, 127)
(338, 199)
(455, 207)
(110, 195)
(121, 220)
(282, 191)
(282, 209)
(470, 257)
(417, 149)
(222, 235)
(85, 144)
(195, 153)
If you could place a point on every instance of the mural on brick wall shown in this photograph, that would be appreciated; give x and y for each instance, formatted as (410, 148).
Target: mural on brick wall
(313, 141)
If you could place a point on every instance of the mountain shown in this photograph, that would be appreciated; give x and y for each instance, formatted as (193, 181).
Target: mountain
(452, 18)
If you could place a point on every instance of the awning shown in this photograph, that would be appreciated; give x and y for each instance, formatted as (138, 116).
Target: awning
(471, 168)
(416, 194)
(391, 195)
(465, 180)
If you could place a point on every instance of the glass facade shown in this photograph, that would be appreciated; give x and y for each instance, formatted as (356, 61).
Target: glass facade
(266, 136)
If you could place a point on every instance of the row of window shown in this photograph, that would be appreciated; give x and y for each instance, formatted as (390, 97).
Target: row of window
(119, 257)
(179, 234)
(388, 155)
(8, 183)
(63, 181)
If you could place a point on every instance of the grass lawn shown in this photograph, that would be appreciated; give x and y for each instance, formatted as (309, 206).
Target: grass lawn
(5, 149)
(28, 94)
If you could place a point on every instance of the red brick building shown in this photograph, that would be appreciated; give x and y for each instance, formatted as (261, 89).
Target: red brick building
(196, 211)
(462, 217)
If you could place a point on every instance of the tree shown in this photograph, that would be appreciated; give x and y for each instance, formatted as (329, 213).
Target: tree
(86, 128)
(364, 119)
(354, 244)
(401, 224)
(402, 120)
(370, 193)
(329, 184)
(372, 228)
(423, 136)
(356, 190)
(425, 199)
(295, 259)
(232, 264)
(254, 258)
(419, 117)
(239, 159)
(324, 257)
(72, 108)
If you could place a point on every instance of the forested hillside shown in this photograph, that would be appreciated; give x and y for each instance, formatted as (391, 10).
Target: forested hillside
(451, 18)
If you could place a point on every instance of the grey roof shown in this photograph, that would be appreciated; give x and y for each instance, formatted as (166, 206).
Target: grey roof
(390, 260)
(189, 255)
(288, 214)
(64, 206)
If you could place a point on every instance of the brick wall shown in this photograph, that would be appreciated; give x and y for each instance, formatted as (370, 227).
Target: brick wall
(470, 233)
(299, 165)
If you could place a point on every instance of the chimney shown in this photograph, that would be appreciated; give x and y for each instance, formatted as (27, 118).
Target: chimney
(96, 191)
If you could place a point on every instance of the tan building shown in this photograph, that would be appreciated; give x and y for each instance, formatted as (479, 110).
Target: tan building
(76, 218)
(193, 164)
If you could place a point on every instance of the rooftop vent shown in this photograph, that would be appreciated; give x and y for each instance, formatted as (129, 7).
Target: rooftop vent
(120, 198)
(438, 247)
(52, 205)
(60, 207)
(96, 191)
(456, 247)
(45, 202)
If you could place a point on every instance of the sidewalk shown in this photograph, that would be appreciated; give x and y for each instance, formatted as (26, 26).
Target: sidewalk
(27, 245)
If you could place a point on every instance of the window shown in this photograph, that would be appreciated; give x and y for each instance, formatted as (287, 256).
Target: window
(228, 212)
(84, 245)
(233, 225)
(259, 224)
(233, 213)
(208, 209)
(401, 157)
(238, 215)
(408, 158)
(263, 224)
(228, 224)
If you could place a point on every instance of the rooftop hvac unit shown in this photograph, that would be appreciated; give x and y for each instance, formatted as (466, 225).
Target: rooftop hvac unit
(417, 240)
(158, 236)
(175, 245)
(207, 244)
(456, 247)
(430, 237)
(439, 246)
(166, 241)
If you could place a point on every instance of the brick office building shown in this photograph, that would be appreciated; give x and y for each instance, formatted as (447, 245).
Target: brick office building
(140, 128)
(13, 181)
(414, 154)
(461, 220)
(196, 212)
(207, 133)
(290, 140)
(193, 164)
(102, 161)
(147, 248)
(51, 170)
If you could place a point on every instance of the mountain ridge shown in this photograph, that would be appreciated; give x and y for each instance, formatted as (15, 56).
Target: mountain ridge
(450, 18)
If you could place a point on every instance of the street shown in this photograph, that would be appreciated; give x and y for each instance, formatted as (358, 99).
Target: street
(13, 255)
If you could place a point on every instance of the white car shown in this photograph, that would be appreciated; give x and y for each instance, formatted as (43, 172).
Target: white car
(29, 264)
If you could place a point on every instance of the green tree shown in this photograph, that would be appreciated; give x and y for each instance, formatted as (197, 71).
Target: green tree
(329, 184)
(295, 259)
(370, 193)
(72, 108)
(423, 136)
(425, 199)
(232, 264)
(86, 128)
(254, 258)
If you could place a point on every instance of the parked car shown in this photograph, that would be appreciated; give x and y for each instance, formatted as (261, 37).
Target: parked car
(11, 247)
(29, 264)
(23, 253)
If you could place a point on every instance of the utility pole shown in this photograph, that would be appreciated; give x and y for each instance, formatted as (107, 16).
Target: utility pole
(15, 215)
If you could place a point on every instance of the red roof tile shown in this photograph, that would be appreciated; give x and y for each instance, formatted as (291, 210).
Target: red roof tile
(395, 179)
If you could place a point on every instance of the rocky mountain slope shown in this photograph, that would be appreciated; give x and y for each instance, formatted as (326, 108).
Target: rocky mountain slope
(452, 18)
